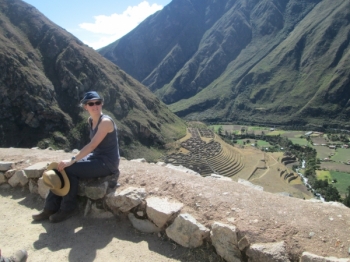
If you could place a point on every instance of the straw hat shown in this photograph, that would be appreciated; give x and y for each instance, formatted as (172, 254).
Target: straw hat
(58, 182)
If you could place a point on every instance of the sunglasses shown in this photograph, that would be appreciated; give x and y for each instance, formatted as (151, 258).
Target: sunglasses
(94, 103)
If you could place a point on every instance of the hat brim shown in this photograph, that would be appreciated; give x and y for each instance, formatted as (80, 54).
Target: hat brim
(65, 189)
(85, 101)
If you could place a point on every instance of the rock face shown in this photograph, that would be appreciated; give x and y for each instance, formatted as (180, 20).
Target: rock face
(232, 60)
(46, 71)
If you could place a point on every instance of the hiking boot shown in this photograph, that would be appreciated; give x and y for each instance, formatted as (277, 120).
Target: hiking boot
(62, 215)
(43, 215)
(18, 256)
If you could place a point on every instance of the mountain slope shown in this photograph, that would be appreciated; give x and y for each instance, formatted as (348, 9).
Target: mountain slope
(268, 61)
(45, 72)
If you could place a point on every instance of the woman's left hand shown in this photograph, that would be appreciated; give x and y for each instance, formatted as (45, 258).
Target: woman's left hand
(63, 164)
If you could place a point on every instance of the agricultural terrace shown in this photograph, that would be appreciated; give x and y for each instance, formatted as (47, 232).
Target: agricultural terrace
(334, 161)
(340, 180)
(206, 153)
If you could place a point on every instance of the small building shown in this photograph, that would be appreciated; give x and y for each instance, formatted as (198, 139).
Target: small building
(332, 147)
(308, 133)
(345, 146)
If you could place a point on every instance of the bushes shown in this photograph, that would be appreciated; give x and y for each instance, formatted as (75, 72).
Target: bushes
(346, 200)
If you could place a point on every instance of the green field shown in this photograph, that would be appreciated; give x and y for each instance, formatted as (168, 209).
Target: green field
(299, 141)
(215, 127)
(343, 180)
(342, 155)
(244, 141)
(261, 143)
(322, 175)
(276, 133)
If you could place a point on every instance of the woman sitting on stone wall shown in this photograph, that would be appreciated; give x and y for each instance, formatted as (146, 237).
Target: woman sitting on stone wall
(98, 158)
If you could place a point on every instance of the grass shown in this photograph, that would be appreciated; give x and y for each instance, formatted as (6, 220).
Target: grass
(342, 155)
(343, 180)
(324, 175)
(276, 133)
(299, 141)
(215, 127)
(240, 141)
(260, 143)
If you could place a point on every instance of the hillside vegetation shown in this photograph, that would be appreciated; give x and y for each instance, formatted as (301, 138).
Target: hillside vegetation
(46, 71)
(252, 61)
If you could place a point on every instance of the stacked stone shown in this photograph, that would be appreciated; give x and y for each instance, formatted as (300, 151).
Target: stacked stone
(151, 214)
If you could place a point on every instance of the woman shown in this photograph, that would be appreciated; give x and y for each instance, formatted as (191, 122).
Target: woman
(98, 158)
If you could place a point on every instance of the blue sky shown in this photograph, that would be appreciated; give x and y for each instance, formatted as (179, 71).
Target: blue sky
(98, 23)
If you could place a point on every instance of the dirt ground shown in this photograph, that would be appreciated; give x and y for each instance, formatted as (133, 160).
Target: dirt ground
(79, 238)
(261, 217)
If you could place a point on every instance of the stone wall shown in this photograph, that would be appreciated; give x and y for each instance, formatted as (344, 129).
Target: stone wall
(151, 214)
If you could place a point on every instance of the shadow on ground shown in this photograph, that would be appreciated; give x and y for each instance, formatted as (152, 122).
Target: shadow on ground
(84, 236)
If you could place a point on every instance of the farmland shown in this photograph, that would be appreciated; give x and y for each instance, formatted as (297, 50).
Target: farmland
(340, 180)
(262, 156)
(331, 161)
(341, 155)
(206, 153)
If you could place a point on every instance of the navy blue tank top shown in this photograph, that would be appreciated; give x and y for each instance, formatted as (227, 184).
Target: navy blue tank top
(108, 149)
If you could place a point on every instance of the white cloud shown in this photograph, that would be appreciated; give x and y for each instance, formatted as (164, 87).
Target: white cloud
(108, 29)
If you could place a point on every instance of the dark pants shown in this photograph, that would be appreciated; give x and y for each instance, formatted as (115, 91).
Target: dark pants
(83, 169)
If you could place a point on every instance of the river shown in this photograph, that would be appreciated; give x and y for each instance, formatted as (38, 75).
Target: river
(306, 183)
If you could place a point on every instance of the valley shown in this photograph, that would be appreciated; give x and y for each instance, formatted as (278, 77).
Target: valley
(267, 157)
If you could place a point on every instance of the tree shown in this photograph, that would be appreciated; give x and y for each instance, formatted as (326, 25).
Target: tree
(220, 129)
(347, 198)
(331, 194)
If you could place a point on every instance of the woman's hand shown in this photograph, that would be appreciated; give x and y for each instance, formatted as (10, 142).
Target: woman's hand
(63, 164)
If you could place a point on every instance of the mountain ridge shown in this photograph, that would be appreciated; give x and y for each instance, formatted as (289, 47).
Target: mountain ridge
(47, 72)
(233, 75)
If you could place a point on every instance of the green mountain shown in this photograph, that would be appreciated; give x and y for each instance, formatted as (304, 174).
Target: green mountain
(253, 61)
(44, 73)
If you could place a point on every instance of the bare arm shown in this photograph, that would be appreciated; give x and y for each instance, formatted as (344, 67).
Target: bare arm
(106, 126)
